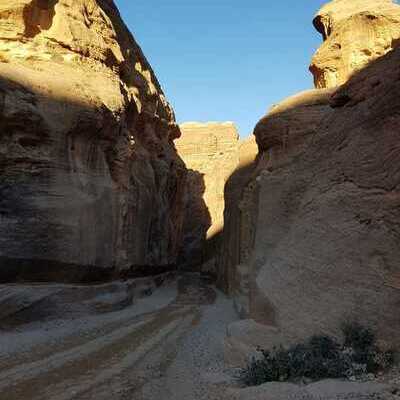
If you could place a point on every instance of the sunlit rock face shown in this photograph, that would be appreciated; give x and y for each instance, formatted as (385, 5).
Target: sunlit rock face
(90, 180)
(211, 154)
(323, 207)
(355, 33)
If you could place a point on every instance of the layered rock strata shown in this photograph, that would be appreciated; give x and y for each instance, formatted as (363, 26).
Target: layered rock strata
(211, 154)
(90, 181)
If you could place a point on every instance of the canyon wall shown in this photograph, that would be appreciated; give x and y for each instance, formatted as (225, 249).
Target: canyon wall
(325, 201)
(238, 234)
(211, 154)
(90, 184)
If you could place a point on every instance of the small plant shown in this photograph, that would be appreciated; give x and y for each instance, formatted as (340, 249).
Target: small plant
(320, 357)
(358, 337)
(362, 343)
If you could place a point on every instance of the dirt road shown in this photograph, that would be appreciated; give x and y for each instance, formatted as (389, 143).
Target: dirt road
(166, 346)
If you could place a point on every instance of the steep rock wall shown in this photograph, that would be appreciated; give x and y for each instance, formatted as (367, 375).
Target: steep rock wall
(211, 153)
(238, 234)
(90, 181)
(327, 229)
(325, 208)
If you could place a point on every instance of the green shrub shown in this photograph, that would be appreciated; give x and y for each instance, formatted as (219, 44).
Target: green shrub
(357, 337)
(320, 357)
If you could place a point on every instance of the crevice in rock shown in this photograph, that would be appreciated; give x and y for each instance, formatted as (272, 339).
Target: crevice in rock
(38, 16)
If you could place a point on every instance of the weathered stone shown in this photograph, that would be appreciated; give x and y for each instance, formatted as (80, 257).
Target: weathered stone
(282, 135)
(90, 179)
(324, 206)
(238, 231)
(327, 249)
(289, 126)
(211, 153)
(356, 32)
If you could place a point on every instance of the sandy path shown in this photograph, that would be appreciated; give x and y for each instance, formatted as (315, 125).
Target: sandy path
(167, 348)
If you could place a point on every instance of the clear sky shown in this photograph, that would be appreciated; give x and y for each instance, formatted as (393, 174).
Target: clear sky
(226, 60)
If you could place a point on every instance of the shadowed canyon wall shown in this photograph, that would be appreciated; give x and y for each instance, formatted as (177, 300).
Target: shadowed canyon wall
(90, 182)
(324, 197)
(237, 236)
(211, 153)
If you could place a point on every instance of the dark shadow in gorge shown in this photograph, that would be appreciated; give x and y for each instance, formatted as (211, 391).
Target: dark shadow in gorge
(229, 242)
(31, 244)
(197, 221)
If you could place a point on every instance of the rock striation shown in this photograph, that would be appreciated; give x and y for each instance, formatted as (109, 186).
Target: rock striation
(211, 154)
(324, 204)
(355, 33)
(90, 181)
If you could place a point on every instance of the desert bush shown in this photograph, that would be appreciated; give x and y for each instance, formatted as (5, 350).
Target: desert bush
(320, 357)
(358, 337)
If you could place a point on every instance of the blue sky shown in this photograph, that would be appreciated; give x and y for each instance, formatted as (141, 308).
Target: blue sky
(220, 60)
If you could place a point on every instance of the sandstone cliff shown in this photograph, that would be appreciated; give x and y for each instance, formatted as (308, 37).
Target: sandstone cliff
(211, 153)
(325, 207)
(238, 233)
(90, 179)
(355, 33)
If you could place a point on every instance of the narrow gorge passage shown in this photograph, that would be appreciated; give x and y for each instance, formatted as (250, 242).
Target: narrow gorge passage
(190, 250)
(166, 346)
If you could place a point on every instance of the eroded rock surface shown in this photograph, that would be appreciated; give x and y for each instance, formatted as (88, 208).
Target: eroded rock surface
(211, 153)
(355, 33)
(237, 236)
(324, 206)
(89, 173)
